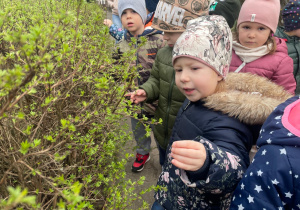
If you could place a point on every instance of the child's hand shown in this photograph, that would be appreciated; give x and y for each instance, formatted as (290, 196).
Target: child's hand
(137, 96)
(188, 155)
(107, 22)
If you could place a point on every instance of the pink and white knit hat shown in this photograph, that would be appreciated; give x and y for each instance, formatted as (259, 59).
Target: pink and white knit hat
(265, 12)
(207, 39)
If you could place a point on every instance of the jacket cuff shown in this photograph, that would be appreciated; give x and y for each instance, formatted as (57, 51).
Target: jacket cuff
(200, 174)
(144, 87)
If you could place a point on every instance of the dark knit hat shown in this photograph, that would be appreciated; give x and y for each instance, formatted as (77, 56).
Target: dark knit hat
(151, 5)
(290, 15)
(229, 9)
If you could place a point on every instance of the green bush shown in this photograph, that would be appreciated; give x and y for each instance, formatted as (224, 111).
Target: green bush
(61, 108)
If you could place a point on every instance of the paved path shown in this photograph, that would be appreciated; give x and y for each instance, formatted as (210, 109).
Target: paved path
(151, 172)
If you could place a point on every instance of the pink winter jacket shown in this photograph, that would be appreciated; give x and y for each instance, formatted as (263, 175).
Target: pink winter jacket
(277, 67)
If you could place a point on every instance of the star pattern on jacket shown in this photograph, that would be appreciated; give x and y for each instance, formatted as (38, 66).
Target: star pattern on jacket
(258, 188)
(259, 173)
(275, 182)
(241, 207)
(288, 195)
(272, 180)
(283, 151)
(278, 117)
(250, 199)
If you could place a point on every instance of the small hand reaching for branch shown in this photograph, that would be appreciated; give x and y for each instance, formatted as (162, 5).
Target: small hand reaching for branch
(107, 22)
(137, 96)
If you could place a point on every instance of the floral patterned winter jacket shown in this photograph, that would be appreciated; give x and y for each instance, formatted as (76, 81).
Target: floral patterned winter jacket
(223, 123)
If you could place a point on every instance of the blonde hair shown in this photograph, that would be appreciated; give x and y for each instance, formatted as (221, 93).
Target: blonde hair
(270, 40)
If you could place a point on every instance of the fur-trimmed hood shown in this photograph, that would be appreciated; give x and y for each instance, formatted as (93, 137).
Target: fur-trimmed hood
(248, 97)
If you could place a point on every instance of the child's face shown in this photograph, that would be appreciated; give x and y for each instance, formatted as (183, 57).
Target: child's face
(195, 79)
(252, 34)
(132, 21)
(171, 37)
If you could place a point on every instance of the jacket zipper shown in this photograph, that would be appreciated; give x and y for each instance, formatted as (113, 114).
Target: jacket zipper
(187, 106)
(168, 106)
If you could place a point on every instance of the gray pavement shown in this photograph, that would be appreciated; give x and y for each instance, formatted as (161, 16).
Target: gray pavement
(151, 172)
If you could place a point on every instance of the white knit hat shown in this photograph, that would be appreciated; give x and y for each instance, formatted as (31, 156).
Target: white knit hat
(207, 39)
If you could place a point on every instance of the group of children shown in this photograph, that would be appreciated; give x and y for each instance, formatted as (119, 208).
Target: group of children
(216, 95)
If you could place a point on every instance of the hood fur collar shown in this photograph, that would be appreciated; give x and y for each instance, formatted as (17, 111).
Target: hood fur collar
(248, 97)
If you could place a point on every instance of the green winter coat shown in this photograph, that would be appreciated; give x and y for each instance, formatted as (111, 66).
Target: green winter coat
(293, 45)
(161, 86)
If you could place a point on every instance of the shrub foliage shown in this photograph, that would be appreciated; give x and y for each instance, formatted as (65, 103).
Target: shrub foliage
(61, 108)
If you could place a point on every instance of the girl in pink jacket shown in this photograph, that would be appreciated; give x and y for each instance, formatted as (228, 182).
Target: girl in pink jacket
(255, 50)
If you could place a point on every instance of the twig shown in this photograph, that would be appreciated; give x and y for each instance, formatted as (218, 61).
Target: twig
(13, 92)
(12, 104)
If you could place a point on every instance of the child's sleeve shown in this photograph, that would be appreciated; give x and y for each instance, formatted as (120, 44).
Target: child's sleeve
(110, 4)
(116, 32)
(151, 86)
(267, 183)
(227, 143)
(284, 76)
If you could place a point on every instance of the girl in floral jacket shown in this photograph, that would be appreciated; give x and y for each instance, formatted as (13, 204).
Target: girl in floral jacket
(213, 133)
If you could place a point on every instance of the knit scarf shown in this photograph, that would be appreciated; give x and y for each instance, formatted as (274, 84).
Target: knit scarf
(248, 55)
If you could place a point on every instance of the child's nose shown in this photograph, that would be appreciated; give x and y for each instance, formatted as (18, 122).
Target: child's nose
(128, 16)
(184, 77)
(251, 34)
